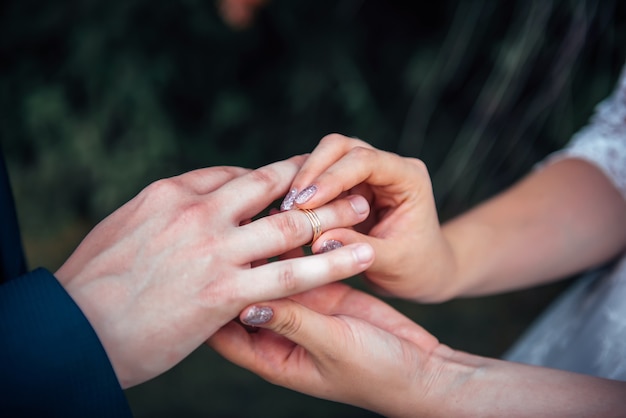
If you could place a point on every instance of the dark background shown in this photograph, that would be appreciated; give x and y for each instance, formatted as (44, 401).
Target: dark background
(99, 98)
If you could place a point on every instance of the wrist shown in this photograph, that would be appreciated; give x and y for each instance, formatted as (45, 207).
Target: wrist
(436, 388)
(465, 385)
(439, 281)
(450, 376)
(470, 265)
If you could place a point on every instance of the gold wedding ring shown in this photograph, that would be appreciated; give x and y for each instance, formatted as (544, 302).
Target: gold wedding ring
(316, 224)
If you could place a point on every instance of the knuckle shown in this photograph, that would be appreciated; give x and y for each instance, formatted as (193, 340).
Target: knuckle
(335, 139)
(221, 292)
(421, 174)
(266, 176)
(192, 212)
(288, 225)
(419, 164)
(163, 188)
(157, 195)
(290, 325)
(223, 171)
(232, 171)
(362, 153)
(287, 279)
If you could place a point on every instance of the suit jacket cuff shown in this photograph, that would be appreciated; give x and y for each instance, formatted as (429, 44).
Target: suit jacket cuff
(53, 362)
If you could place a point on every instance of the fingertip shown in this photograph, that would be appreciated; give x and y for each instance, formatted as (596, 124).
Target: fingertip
(305, 195)
(363, 253)
(288, 201)
(359, 204)
(329, 245)
(257, 315)
(362, 249)
(284, 317)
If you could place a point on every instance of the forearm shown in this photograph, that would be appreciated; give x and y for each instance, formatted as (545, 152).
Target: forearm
(558, 221)
(469, 386)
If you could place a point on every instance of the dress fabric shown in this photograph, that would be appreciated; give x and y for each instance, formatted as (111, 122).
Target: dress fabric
(584, 330)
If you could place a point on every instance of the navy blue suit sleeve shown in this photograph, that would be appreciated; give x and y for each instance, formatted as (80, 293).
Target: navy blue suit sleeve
(52, 361)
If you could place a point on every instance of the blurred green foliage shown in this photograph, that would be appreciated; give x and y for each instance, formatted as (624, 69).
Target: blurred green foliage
(100, 98)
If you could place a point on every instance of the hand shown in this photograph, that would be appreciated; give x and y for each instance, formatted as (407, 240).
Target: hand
(336, 343)
(341, 344)
(162, 273)
(413, 260)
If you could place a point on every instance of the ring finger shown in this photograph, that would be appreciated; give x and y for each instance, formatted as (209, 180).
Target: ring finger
(284, 231)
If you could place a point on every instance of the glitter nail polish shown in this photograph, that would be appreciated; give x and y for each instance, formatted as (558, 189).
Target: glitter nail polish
(329, 245)
(305, 194)
(288, 201)
(258, 315)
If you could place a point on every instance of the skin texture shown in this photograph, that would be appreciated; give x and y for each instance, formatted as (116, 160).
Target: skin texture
(403, 226)
(165, 271)
(558, 220)
(348, 337)
(337, 343)
(341, 344)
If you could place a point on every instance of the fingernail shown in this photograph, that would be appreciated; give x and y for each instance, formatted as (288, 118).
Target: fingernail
(359, 204)
(258, 315)
(288, 201)
(329, 245)
(305, 195)
(363, 253)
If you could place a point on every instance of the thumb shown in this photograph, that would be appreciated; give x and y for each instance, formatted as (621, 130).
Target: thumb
(386, 264)
(340, 237)
(294, 321)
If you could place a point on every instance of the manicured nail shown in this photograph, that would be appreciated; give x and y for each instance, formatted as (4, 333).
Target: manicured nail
(329, 245)
(363, 253)
(258, 315)
(288, 201)
(305, 195)
(359, 204)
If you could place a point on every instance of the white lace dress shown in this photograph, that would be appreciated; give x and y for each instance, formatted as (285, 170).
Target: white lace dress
(585, 329)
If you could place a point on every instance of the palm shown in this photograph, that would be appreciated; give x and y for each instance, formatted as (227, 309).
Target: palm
(368, 336)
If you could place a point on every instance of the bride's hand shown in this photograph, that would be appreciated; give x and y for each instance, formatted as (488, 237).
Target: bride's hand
(336, 343)
(412, 257)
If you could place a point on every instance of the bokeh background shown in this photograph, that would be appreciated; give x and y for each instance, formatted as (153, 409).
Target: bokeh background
(100, 98)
